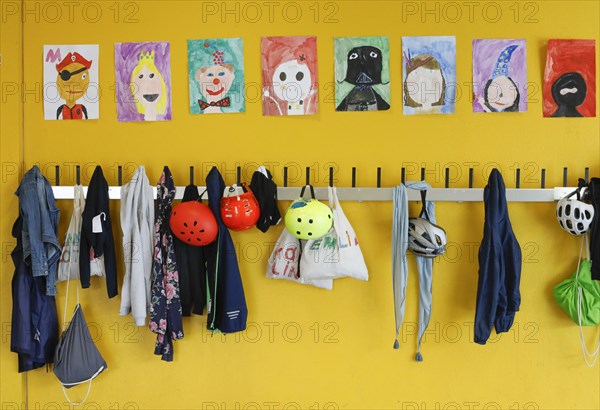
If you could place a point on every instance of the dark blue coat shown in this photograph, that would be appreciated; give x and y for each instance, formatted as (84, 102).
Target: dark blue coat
(34, 328)
(498, 294)
(227, 311)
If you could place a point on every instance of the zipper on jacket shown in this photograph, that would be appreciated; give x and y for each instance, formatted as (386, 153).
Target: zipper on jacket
(214, 298)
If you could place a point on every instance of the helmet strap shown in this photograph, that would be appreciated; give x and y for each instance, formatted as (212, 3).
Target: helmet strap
(312, 191)
(424, 205)
(201, 195)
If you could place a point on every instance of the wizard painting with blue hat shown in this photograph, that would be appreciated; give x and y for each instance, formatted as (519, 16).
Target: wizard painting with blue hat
(501, 93)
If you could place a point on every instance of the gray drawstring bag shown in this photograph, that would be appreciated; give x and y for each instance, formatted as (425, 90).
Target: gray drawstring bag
(77, 359)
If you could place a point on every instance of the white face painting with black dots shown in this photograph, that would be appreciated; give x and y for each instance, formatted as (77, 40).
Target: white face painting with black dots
(292, 84)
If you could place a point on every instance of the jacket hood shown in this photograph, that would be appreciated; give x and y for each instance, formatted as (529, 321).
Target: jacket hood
(494, 196)
(215, 186)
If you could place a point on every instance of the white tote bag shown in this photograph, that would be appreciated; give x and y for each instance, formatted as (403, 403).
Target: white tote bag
(336, 254)
(68, 265)
(283, 262)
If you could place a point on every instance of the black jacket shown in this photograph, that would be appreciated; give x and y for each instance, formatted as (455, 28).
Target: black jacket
(102, 243)
(594, 197)
(191, 267)
(265, 191)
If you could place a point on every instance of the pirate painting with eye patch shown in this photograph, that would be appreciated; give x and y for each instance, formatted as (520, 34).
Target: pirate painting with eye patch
(72, 82)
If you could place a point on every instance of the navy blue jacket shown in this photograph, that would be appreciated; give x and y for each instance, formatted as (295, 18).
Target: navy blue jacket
(34, 327)
(498, 294)
(227, 311)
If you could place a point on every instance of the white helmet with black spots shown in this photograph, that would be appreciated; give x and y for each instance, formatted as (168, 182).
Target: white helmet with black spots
(574, 215)
(424, 237)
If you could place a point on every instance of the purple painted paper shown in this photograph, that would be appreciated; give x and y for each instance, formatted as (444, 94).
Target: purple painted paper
(126, 59)
(485, 57)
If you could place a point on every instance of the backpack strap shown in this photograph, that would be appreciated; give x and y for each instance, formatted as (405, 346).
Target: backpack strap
(88, 390)
(67, 302)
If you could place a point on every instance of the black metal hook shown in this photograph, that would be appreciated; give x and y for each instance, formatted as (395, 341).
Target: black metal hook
(378, 177)
(543, 178)
(353, 177)
(470, 177)
(565, 175)
(518, 178)
(192, 175)
(307, 175)
(239, 176)
(422, 173)
(78, 175)
(285, 176)
(57, 175)
(120, 175)
(447, 178)
(331, 176)
(403, 175)
(587, 175)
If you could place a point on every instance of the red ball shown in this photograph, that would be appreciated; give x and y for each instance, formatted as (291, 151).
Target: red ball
(194, 223)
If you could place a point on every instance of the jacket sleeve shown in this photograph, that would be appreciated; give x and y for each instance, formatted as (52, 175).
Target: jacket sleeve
(513, 264)
(125, 215)
(110, 259)
(84, 250)
(30, 208)
(487, 290)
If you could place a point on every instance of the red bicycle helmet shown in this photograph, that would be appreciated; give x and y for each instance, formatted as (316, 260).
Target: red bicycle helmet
(239, 211)
(194, 223)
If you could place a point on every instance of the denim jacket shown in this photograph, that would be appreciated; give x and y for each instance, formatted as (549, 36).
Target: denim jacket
(40, 214)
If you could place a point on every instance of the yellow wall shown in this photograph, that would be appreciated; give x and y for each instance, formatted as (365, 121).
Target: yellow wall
(344, 356)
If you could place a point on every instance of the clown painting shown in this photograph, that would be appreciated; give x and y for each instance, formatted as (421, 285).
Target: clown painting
(362, 73)
(216, 76)
(143, 73)
(499, 76)
(429, 75)
(71, 82)
(289, 70)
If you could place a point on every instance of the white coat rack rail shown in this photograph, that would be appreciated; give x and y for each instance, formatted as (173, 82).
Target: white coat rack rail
(365, 194)
(375, 194)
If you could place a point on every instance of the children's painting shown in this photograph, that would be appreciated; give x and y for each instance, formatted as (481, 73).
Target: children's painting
(71, 90)
(570, 79)
(216, 75)
(499, 76)
(362, 73)
(143, 73)
(289, 71)
(429, 75)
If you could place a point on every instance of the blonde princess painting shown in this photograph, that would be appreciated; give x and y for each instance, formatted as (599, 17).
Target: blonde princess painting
(143, 75)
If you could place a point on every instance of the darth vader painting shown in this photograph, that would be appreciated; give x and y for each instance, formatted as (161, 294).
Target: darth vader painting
(362, 74)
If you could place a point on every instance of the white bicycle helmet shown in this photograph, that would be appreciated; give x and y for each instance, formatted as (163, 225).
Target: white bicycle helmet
(425, 238)
(574, 215)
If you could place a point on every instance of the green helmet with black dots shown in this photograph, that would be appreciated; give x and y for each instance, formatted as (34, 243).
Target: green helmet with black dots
(308, 219)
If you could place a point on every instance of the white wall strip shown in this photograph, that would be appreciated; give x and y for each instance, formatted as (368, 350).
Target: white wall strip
(375, 194)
